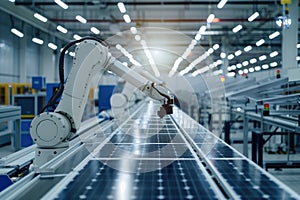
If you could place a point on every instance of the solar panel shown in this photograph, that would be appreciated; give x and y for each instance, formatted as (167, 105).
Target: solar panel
(180, 180)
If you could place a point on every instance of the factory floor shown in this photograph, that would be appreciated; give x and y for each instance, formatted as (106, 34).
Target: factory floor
(291, 177)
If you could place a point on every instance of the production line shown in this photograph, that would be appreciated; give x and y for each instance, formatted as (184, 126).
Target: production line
(162, 159)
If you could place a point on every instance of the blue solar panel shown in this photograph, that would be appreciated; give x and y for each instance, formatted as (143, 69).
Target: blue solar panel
(248, 181)
(180, 180)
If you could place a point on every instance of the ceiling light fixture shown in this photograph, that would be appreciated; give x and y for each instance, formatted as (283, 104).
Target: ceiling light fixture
(133, 30)
(17, 32)
(253, 16)
(260, 42)
(81, 19)
(273, 54)
(121, 7)
(274, 35)
(40, 17)
(257, 68)
(265, 66)
(245, 63)
(221, 4)
(238, 53)
(237, 28)
(61, 29)
(61, 4)
(253, 60)
(223, 55)
(210, 18)
(216, 46)
(95, 30)
(126, 18)
(76, 37)
(263, 57)
(37, 41)
(248, 48)
(230, 56)
(273, 64)
(52, 46)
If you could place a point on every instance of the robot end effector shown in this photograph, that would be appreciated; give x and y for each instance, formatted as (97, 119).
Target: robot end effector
(160, 93)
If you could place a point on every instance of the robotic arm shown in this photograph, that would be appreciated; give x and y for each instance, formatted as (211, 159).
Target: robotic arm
(120, 102)
(52, 131)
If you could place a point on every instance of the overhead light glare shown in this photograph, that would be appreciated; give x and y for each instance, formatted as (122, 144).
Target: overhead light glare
(61, 4)
(40, 17)
(202, 29)
(126, 18)
(81, 19)
(260, 42)
(52, 46)
(239, 65)
(17, 32)
(121, 7)
(253, 16)
(251, 69)
(95, 30)
(274, 35)
(298, 46)
(198, 36)
(61, 29)
(37, 41)
(245, 63)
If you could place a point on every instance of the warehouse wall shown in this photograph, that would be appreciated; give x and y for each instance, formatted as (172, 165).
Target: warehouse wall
(20, 58)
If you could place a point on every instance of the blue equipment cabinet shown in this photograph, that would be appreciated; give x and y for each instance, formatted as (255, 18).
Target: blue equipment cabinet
(104, 94)
(38, 82)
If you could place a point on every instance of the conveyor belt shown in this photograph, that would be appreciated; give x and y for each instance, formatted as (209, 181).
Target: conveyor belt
(173, 158)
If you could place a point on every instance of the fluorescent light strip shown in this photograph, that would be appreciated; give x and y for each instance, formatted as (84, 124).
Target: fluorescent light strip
(239, 65)
(237, 28)
(40, 17)
(77, 37)
(273, 54)
(52, 46)
(257, 68)
(238, 53)
(260, 42)
(265, 66)
(126, 18)
(246, 71)
(216, 46)
(298, 46)
(221, 4)
(274, 35)
(230, 56)
(95, 30)
(245, 63)
(210, 18)
(61, 4)
(273, 64)
(253, 16)
(251, 69)
(263, 57)
(248, 48)
(223, 55)
(253, 60)
(12, 1)
(37, 41)
(81, 19)
(17, 32)
(121, 7)
(61, 29)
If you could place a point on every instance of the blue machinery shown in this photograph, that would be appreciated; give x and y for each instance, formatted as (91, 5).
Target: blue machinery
(148, 158)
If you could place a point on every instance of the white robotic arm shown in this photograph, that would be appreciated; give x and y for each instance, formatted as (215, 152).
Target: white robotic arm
(120, 102)
(52, 131)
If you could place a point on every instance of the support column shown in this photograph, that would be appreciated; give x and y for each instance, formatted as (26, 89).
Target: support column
(290, 40)
(47, 63)
(22, 60)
